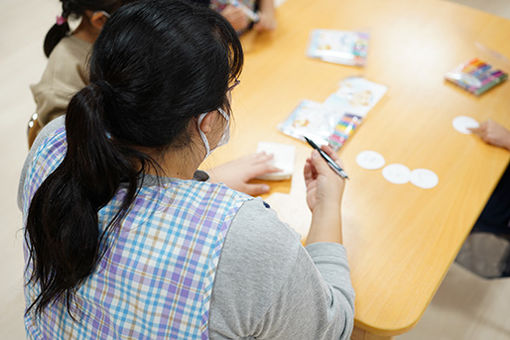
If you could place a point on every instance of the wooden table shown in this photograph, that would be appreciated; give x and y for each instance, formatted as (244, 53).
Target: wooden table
(400, 239)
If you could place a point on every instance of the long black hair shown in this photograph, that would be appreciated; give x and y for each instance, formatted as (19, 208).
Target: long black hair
(74, 8)
(156, 65)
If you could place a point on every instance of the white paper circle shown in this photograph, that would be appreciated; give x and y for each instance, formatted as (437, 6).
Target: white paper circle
(424, 178)
(397, 173)
(370, 160)
(462, 123)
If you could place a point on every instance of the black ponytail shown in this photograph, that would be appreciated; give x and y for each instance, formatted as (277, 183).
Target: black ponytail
(62, 225)
(53, 37)
(74, 8)
(155, 66)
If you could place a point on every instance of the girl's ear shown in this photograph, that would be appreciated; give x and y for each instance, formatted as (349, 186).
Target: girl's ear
(98, 19)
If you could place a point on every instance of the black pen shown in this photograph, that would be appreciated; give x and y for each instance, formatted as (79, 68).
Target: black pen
(332, 164)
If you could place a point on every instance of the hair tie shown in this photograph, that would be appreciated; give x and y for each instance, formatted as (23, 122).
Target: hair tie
(61, 20)
(104, 86)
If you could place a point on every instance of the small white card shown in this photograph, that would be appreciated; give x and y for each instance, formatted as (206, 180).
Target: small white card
(283, 158)
(463, 123)
(397, 173)
(424, 178)
(370, 160)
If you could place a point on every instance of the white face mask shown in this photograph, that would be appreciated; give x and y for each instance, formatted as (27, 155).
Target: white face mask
(224, 138)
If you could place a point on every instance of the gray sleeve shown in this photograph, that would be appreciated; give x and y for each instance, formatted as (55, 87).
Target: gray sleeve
(45, 132)
(268, 286)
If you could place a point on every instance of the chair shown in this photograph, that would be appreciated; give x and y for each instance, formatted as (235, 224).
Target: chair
(33, 129)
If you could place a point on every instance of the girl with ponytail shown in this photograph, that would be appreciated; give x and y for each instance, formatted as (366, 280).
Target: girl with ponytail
(123, 243)
(67, 51)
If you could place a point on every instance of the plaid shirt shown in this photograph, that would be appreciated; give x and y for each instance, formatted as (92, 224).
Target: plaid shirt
(156, 278)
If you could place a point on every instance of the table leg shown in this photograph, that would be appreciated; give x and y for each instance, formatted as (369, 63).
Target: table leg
(361, 334)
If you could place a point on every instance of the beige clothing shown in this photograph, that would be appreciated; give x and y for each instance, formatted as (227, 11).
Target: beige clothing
(65, 74)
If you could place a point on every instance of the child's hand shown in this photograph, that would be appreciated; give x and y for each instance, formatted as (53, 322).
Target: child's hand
(493, 133)
(237, 173)
(236, 17)
(267, 21)
(324, 188)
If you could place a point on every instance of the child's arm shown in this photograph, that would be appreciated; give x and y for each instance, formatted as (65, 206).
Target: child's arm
(493, 133)
(267, 16)
(236, 17)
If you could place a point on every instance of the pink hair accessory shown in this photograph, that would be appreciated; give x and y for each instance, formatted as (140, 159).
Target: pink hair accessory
(61, 20)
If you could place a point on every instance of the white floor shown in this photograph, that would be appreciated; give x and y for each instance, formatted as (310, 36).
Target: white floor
(497, 7)
(23, 25)
(465, 307)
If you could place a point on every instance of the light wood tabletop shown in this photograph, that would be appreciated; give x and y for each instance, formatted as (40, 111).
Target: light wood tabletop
(400, 239)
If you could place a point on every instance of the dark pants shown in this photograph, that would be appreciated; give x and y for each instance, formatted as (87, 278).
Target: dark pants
(495, 217)
(496, 214)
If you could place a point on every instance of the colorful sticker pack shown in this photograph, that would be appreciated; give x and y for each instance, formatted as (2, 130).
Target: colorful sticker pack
(340, 47)
(343, 130)
(356, 95)
(476, 76)
(311, 119)
(335, 120)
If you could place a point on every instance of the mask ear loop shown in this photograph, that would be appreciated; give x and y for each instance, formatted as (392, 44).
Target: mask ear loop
(224, 138)
(105, 13)
(226, 134)
(74, 21)
(224, 114)
(202, 134)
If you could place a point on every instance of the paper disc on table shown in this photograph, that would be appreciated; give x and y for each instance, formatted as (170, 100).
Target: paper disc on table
(397, 173)
(424, 178)
(462, 123)
(370, 160)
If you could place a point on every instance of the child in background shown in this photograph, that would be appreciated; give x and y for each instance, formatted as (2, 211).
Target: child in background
(67, 73)
(486, 251)
(67, 52)
(495, 217)
(233, 11)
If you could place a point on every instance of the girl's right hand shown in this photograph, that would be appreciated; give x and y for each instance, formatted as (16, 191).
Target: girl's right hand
(324, 188)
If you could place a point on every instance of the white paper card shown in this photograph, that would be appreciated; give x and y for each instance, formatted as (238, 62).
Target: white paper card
(283, 158)
(424, 178)
(397, 173)
(370, 160)
(462, 123)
